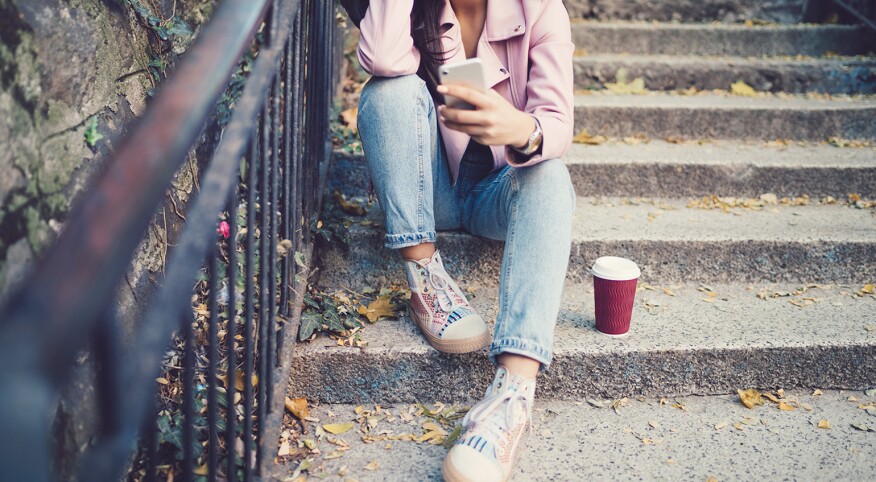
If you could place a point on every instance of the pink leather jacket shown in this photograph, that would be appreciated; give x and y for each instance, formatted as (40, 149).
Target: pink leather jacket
(526, 47)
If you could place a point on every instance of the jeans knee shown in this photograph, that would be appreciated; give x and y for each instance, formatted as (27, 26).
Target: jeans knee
(549, 184)
(387, 94)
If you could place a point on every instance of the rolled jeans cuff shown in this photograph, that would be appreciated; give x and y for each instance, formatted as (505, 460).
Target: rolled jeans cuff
(396, 241)
(523, 347)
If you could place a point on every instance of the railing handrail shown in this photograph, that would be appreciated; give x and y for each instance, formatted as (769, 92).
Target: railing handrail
(61, 304)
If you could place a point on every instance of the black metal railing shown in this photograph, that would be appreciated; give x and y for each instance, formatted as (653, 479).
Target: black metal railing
(261, 187)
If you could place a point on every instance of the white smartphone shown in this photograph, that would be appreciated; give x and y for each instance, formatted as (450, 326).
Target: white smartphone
(469, 73)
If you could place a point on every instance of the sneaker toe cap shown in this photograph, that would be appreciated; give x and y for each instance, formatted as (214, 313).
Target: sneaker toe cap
(463, 464)
(469, 326)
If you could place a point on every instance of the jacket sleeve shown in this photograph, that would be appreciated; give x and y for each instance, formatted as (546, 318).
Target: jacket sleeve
(386, 48)
(550, 88)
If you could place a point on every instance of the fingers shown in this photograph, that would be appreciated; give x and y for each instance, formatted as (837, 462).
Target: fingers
(472, 96)
(461, 116)
(473, 130)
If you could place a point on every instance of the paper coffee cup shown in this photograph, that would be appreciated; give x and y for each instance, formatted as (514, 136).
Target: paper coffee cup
(614, 290)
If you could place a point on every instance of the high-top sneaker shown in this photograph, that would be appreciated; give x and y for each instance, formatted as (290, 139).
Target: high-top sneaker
(494, 432)
(441, 311)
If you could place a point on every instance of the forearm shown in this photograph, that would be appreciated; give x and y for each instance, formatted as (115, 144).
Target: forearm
(386, 48)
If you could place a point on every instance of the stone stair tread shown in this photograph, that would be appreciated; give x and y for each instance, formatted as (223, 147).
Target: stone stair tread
(670, 241)
(727, 153)
(642, 219)
(718, 38)
(735, 318)
(685, 61)
(658, 168)
(725, 116)
(713, 101)
(848, 75)
(734, 339)
(684, 444)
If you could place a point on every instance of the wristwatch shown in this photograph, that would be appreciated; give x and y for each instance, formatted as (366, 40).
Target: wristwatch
(534, 141)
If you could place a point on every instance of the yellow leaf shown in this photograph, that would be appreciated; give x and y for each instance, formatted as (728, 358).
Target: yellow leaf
(869, 289)
(786, 407)
(337, 428)
(297, 407)
(622, 86)
(162, 380)
(771, 397)
(434, 427)
(584, 137)
(238, 380)
(349, 118)
(373, 465)
(817, 392)
(349, 207)
(743, 89)
(823, 424)
(429, 436)
(202, 470)
(750, 398)
(379, 308)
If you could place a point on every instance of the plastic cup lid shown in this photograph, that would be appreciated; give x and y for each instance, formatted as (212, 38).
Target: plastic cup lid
(615, 269)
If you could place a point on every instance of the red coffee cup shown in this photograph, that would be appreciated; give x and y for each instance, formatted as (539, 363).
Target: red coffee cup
(614, 290)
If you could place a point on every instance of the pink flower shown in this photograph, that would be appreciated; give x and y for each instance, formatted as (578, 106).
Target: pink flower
(224, 229)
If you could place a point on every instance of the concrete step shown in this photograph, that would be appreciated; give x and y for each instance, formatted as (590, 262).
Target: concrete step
(717, 116)
(670, 241)
(645, 440)
(661, 72)
(649, 38)
(689, 343)
(663, 169)
(783, 11)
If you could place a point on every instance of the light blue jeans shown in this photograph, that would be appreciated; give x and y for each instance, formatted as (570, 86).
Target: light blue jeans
(530, 208)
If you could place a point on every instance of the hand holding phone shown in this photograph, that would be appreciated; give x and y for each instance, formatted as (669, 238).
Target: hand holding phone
(469, 73)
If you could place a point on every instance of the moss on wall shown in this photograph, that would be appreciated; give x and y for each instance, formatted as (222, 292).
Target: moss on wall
(61, 64)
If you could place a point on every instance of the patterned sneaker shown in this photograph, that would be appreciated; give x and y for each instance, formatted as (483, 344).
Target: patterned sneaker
(494, 432)
(441, 311)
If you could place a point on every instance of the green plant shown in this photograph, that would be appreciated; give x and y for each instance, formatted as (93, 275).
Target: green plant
(92, 135)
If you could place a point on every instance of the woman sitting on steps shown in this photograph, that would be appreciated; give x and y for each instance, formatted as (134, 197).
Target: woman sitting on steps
(494, 172)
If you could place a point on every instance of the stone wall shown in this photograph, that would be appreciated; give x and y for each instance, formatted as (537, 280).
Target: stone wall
(66, 64)
(73, 75)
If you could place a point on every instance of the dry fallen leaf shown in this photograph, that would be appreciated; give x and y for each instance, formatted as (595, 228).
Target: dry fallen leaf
(868, 289)
(238, 380)
(373, 465)
(584, 137)
(720, 425)
(297, 407)
(786, 407)
(337, 428)
(162, 380)
(750, 398)
(381, 307)
(823, 424)
(352, 208)
(349, 118)
(817, 392)
(743, 89)
(623, 86)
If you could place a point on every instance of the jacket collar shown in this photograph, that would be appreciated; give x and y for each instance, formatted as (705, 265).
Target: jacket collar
(505, 19)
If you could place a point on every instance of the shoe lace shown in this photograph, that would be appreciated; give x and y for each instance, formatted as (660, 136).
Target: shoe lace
(496, 414)
(442, 284)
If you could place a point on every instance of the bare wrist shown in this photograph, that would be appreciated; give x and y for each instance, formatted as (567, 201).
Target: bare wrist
(523, 140)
